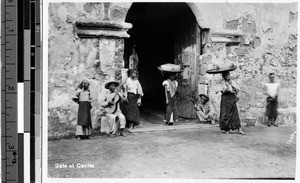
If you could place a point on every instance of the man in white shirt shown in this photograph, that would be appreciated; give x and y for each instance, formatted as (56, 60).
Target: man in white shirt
(110, 100)
(271, 89)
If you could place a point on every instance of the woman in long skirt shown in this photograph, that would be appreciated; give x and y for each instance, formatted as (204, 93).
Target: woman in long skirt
(83, 98)
(229, 117)
(133, 96)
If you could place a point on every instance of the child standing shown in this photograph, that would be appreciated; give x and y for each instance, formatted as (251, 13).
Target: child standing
(83, 98)
(171, 99)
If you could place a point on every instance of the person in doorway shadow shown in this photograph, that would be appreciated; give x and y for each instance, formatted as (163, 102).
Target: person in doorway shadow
(171, 86)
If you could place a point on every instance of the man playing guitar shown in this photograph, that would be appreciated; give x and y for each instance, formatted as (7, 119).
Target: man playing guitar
(110, 102)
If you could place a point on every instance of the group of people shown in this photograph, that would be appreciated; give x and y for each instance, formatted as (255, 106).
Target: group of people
(119, 106)
(229, 118)
(120, 103)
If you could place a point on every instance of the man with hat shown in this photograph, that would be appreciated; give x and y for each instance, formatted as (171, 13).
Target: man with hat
(205, 110)
(111, 108)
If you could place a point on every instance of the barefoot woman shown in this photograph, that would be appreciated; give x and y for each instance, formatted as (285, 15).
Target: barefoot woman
(229, 116)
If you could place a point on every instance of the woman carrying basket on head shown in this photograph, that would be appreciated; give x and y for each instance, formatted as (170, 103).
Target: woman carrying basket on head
(171, 85)
(229, 117)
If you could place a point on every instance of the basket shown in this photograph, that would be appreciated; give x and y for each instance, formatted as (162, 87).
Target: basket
(170, 68)
(250, 121)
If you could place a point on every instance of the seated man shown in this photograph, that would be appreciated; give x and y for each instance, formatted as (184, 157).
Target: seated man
(110, 100)
(205, 110)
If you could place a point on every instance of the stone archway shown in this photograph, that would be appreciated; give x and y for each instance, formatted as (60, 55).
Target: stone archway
(165, 33)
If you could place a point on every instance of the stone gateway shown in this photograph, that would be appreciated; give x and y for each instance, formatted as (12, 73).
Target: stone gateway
(96, 40)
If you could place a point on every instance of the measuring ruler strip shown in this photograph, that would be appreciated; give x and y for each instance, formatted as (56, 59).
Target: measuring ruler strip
(9, 91)
(20, 90)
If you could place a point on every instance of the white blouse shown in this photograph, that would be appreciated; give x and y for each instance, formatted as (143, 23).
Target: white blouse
(83, 95)
(134, 86)
(171, 86)
(166, 83)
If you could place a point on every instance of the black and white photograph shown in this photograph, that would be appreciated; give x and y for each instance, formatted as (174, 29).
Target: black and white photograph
(169, 91)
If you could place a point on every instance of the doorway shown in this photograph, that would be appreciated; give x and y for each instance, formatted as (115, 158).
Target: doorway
(159, 35)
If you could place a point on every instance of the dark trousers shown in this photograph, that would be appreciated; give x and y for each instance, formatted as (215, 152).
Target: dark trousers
(172, 107)
(271, 112)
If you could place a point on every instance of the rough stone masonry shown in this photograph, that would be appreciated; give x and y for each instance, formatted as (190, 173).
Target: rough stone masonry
(258, 38)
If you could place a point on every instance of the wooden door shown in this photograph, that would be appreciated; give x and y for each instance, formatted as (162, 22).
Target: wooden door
(187, 51)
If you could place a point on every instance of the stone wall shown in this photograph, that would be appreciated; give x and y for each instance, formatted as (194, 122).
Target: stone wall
(266, 41)
(72, 58)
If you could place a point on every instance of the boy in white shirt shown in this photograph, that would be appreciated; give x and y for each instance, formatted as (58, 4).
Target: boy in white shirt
(271, 89)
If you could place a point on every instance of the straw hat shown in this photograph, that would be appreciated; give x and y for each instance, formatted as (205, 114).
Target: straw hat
(110, 83)
(222, 68)
(203, 95)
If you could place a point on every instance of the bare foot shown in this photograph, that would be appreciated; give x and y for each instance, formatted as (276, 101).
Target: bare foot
(241, 132)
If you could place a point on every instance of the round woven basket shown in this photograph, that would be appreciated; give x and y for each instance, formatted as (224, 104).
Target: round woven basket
(250, 121)
(170, 68)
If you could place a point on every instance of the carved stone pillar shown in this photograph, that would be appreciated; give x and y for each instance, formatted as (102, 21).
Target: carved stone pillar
(111, 37)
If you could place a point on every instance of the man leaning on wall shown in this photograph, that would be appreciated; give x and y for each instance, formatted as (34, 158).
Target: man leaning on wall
(271, 89)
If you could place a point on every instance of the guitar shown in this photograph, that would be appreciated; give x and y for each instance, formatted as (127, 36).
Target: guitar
(192, 100)
(113, 101)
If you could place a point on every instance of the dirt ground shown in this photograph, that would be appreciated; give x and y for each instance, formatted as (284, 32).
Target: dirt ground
(199, 152)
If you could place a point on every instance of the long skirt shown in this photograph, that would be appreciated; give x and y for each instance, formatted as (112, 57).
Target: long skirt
(84, 123)
(271, 111)
(229, 117)
(131, 110)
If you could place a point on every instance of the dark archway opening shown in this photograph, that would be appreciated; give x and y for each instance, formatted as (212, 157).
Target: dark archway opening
(155, 27)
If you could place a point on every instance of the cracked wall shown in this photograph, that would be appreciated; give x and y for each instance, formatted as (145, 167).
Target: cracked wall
(268, 44)
(72, 59)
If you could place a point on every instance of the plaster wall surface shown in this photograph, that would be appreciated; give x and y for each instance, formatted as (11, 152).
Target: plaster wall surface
(268, 44)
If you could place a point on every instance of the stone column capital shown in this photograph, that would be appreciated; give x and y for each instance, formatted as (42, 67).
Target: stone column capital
(99, 28)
